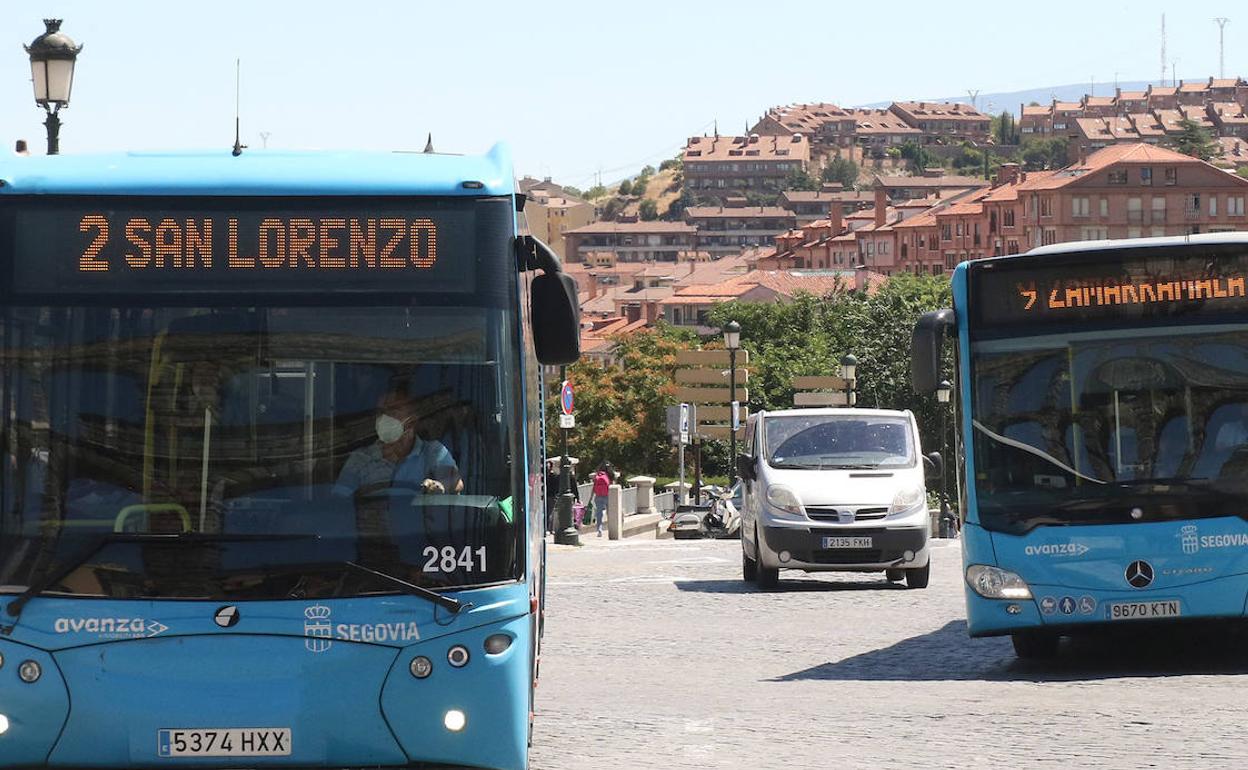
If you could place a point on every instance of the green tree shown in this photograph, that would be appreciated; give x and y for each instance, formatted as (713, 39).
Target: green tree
(626, 187)
(800, 180)
(1004, 128)
(1039, 154)
(841, 170)
(648, 209)
(595, 192)
(918, 155)
(621, 407)
(810, 334)
(572, 192)
(1194, 140)
(673, 163)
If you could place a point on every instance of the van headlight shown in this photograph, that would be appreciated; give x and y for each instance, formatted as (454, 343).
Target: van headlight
(996, 583)
(907, 500)
(785, 500)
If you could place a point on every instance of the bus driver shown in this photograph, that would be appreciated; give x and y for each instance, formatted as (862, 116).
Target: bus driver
(399, 457)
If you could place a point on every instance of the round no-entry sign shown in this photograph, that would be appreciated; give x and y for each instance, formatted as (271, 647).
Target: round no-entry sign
(565, 397)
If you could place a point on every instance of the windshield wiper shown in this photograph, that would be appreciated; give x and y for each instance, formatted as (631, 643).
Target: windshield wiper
(52, 577)
(1043, 455)
(449, 602)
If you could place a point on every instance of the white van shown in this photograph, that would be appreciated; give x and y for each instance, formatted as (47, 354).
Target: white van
(834, 489)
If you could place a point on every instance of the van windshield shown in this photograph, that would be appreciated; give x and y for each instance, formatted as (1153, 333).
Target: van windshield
(838, 441)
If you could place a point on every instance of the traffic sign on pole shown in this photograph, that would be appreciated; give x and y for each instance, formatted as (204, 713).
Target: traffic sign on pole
(566, 399)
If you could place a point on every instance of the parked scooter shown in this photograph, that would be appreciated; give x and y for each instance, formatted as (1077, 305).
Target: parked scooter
(718, 519)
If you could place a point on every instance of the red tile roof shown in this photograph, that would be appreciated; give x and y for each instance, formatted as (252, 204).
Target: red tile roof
(753, 148)
(636, 227)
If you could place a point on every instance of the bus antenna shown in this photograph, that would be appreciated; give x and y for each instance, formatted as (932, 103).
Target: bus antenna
(238, 144)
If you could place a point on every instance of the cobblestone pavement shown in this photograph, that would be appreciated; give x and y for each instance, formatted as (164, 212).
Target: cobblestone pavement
(657, 655)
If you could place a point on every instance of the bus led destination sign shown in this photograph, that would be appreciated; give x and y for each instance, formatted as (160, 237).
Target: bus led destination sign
(1070, 295)
(214, 245)
(300, 243)
(1135, 286)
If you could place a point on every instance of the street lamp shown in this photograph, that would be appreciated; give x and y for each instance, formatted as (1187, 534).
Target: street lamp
(849, 369)
(732, 341)
(52, 57)
(943, 391)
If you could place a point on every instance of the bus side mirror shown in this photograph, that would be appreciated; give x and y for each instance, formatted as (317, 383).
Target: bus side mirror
(747, 467)
(556, 318)
(933, 465)
(927, 349)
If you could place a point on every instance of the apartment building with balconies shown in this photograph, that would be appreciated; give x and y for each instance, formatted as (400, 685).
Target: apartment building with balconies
(724, 166)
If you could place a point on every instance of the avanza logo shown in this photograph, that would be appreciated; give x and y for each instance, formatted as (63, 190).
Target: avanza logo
(111, 628)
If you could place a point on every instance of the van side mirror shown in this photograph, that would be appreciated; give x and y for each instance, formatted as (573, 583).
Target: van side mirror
(933, 465)
(927, 344)
(747, 467)
(554, 309)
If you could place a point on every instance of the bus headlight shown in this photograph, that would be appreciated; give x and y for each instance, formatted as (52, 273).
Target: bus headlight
(784, 499)
(4, 724)
(454, 720)
(996, 583)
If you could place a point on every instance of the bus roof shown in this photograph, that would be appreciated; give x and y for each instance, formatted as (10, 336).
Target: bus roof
(259, 172)
(1170, 241)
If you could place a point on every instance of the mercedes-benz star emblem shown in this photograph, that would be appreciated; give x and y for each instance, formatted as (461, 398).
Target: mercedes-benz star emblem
(227, 617)
(1140, 574)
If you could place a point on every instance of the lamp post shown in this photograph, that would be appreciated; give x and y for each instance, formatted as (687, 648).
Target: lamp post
(943, 391)
(849, 372)
(732, 341)
(566, 532)
(52, 57)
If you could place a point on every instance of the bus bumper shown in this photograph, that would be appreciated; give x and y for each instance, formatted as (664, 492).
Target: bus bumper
(344, 705)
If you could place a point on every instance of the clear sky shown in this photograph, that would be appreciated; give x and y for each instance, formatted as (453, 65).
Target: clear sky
(576, 87)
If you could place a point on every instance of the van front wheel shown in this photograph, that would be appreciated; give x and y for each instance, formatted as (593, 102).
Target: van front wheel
(918, 577)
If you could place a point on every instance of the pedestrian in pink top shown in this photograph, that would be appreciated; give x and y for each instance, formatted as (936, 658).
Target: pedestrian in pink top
(602, 485)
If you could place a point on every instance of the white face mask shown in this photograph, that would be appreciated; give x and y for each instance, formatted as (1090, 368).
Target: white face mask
(389, 429)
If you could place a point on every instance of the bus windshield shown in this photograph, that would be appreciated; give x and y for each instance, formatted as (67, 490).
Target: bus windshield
(270, 445)
(1111, 426)
(835, 441)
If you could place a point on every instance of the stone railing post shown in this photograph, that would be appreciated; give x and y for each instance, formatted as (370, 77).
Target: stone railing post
(645, 493)
(615, 514)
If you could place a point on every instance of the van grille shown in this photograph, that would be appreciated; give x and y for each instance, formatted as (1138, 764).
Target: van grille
(833, 514)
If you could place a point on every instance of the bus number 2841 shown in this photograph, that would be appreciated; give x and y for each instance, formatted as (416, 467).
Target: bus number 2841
(448, 559)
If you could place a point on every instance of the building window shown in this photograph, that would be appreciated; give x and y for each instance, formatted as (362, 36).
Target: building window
(1172, 176)
(1213, 205)
(1104, 207)
(1117, 176)
(1011, 246)
(957, 229)
(1159, 209)
(1191, 206)
(1046, 206)
(1146, 176)
(951, 260)
(946, 232)
(1157, 232)
(1133, 232)
(1135, 211)
(1007, 217)
(1049, 236)
(1235, 206)
(1079, 207)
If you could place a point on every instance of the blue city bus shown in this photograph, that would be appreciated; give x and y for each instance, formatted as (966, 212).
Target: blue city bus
(1102, 440)
(271, 482)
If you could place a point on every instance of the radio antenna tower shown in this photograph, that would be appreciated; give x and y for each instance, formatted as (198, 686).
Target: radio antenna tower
(1221, 22)
(1163, 49)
